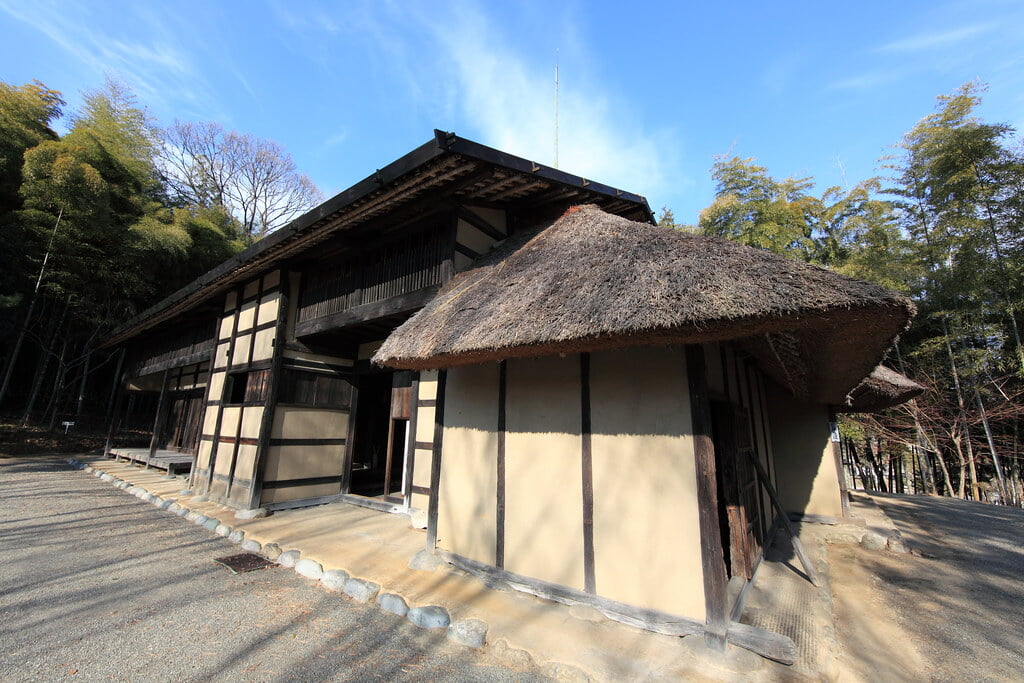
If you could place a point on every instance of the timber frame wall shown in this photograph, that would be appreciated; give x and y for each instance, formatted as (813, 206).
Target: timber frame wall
(591, 478)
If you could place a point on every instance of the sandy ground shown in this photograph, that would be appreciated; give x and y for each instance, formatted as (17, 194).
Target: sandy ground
(953, 611)
(95, 585)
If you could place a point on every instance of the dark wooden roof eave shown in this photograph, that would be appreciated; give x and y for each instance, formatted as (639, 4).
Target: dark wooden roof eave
(263, 253)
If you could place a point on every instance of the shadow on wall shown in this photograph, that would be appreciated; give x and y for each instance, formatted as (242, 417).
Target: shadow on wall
(805, 472)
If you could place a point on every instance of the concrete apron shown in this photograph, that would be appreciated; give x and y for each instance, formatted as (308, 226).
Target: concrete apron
(574, 642)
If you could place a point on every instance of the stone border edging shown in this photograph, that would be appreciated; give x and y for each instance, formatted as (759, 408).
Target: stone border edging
(469, 632)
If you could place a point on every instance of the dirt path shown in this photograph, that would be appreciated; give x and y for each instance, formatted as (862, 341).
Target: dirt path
(95, 585)
(955, 612)
(874, 644)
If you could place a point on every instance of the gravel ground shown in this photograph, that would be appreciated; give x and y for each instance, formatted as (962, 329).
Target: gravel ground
(962, 601)
(97, 585)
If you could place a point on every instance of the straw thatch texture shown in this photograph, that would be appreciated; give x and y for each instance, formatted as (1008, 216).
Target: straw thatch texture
(592, 280)
(883, 388)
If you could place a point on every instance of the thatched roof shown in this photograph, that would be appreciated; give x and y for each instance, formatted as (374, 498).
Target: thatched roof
(592, 281)
(883, 388)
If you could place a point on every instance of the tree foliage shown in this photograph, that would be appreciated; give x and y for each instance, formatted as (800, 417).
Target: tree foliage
(254, 180)
(946, 227)
(95, 229)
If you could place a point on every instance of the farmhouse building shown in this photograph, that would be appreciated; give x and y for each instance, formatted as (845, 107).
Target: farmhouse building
(562, 393)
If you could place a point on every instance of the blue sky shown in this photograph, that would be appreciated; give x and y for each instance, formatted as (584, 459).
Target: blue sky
(649, 92)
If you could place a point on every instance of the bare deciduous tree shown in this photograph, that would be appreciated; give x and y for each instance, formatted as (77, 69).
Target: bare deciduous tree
(254, 179)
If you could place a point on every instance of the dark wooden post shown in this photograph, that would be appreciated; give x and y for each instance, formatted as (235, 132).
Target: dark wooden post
(844, 493)
(115, 418)
(587, 467)
(499, 513)
(435, 465)
(712, 555)
(158, 423)
(410, 451)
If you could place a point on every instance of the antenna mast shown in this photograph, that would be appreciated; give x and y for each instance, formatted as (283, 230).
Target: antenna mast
(556, 108)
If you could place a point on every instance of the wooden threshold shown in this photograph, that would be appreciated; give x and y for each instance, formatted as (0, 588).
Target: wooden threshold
(767, 644)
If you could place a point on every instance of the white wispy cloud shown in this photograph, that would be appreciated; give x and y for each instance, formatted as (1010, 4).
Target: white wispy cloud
(156, 67)
(936, 39)
(506, 94)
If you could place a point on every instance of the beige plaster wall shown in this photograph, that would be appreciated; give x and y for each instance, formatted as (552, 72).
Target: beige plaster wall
(292, 422)
(543, 471)
(466, 508)
(646, 529)
(302, 462)
(252, 418)
(807, 480)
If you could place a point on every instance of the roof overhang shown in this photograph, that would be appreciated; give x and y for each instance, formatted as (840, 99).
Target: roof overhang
(453, 167)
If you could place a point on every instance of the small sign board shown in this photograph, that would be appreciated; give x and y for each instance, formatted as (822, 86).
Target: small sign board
(834, 428)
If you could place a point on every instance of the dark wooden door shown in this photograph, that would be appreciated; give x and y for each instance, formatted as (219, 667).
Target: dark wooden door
(739, 494)
(183, 421)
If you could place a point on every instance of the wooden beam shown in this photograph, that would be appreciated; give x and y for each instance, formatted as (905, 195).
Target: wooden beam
(712, 555)
(587, 468)
(798, 547)
(480, 223)
(435, 465)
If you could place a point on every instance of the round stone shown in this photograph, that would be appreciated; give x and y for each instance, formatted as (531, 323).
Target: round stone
(222, 530)
(254, 513)
(236, 536)
(212, 523)
(897, 544)
(396, 604)
(183, 512)
(361, 590)
(289, 558)
(430, 616)
(872, 541)
(173, 507)
(309, 568)
(334, 579)
(469, 632)
(200, 520)
(271, 551)
(250, 546)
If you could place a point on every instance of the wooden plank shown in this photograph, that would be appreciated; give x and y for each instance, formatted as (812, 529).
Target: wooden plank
(372, 503)
(774, 646)
(304, 503)
(712, 554)
(499, 536)
(306, 481)
(587, 468)
(435, 465)
(649, 619)
(798, 547)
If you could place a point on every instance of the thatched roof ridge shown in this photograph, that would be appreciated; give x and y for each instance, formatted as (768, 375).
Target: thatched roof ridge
(883, 388)
(592, 280)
